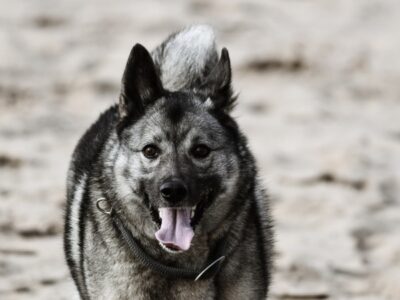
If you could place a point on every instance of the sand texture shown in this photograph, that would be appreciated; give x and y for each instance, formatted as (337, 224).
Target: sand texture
(319, 85)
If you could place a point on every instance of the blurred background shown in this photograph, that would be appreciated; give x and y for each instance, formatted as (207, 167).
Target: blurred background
(319, 85)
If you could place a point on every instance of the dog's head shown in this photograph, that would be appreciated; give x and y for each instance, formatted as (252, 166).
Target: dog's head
(177, 155)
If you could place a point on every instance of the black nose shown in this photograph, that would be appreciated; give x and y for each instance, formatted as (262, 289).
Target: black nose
(173, 190)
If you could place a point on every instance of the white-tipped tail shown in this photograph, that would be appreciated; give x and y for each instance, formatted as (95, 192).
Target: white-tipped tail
(186, 56)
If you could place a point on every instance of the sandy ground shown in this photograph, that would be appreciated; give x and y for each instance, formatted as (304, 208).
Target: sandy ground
(319, 85)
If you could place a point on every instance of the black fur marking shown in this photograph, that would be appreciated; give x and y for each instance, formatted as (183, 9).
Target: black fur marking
(230, 126)
(168, 135)
(214, 185)
(176, 105)
(154, 214)
(67, 248)
(261, 243)
(175, 110)
(91, 144)
(126, 173)
(82, 224)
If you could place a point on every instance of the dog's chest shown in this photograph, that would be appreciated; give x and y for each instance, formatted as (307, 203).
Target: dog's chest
(113, 273)
(124, 283)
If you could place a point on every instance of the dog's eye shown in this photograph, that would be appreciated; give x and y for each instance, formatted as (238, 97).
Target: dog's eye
(200, 151)
(151, 151)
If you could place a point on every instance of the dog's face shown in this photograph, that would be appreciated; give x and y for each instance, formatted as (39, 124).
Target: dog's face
(175, 157)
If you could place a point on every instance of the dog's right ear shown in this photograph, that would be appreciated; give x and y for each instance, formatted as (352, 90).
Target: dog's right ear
(141, 84)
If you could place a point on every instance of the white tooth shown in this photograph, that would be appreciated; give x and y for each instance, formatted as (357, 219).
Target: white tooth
(192, 213)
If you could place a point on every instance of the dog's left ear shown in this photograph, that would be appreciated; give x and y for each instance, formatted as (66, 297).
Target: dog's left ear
(218, 84)
(141, 84)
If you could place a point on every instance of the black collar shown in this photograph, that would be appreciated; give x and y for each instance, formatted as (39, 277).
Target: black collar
(209, 270)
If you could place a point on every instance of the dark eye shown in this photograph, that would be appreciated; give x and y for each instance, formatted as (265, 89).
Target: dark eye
(200, 151)
(151, 151)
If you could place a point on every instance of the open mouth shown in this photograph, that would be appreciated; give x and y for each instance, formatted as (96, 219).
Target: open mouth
(177, 226)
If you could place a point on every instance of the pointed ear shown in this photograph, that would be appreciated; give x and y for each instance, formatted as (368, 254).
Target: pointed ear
(218, 84)
(141, 84)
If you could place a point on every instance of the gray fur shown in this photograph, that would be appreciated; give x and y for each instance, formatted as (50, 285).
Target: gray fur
(186, 57)
(108, 162)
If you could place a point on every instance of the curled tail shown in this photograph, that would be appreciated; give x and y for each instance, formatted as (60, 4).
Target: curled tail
(185, 58)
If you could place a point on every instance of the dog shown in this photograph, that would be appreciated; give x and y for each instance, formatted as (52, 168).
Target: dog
(163, 198)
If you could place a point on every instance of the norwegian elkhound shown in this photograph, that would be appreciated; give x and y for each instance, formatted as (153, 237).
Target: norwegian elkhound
(163, 196)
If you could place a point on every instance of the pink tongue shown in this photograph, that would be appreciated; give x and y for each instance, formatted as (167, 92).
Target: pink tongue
(175, 227)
